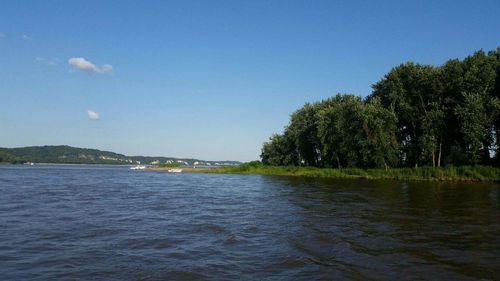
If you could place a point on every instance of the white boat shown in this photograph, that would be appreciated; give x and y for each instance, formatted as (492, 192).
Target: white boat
(138, 168)
(174, 170)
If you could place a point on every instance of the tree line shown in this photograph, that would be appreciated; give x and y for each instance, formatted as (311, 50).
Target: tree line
(416, 115)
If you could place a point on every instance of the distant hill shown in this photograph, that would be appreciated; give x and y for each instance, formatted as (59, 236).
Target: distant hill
(63, 154)
(6, 156)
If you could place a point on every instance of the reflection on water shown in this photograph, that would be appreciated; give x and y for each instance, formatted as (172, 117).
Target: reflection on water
(87, 222)
(381, 229)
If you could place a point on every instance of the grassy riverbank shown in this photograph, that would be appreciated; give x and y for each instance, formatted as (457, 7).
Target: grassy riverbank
(463, 173)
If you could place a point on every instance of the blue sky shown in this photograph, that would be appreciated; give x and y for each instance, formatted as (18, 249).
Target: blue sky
(207, 79)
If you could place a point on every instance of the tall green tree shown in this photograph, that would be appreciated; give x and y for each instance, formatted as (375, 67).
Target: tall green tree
(303, 128)
(478, 98)
(495, 60)
(412, 90)
(339, 122)
(280, 150)
(355, 133)
(475, 118)
(381, 147)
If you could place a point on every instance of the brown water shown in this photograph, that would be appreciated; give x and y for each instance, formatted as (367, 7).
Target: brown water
(111, 223)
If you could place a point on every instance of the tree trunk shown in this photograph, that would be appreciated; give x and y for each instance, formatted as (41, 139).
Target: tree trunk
(439, 155)
(486, 153)
(433, 158)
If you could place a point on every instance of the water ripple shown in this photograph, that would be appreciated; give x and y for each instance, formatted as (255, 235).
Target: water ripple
(110, 223)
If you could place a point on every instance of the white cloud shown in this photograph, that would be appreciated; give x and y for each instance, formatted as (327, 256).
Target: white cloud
(85, 65)
(93, 115)
(107, 68)
(47, 61)
(25, 37)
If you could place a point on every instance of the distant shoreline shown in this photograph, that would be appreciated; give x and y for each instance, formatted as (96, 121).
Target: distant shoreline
(67, 164)
(64, 154)
(184, 169)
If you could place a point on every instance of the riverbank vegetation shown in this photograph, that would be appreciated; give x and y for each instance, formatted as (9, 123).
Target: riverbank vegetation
(417, 115)
(449, 173)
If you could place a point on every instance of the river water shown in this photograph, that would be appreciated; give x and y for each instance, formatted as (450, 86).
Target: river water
(112, 223)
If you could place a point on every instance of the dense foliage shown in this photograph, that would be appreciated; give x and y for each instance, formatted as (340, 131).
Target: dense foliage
(5, 156)
(417, 115)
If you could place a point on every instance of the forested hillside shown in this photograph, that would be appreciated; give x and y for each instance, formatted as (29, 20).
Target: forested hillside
(417, 115)
(5, 156)
(64, 154)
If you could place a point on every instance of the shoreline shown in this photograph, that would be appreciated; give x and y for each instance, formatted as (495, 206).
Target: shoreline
(450, 174)
(444, 174)
(187, 169)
